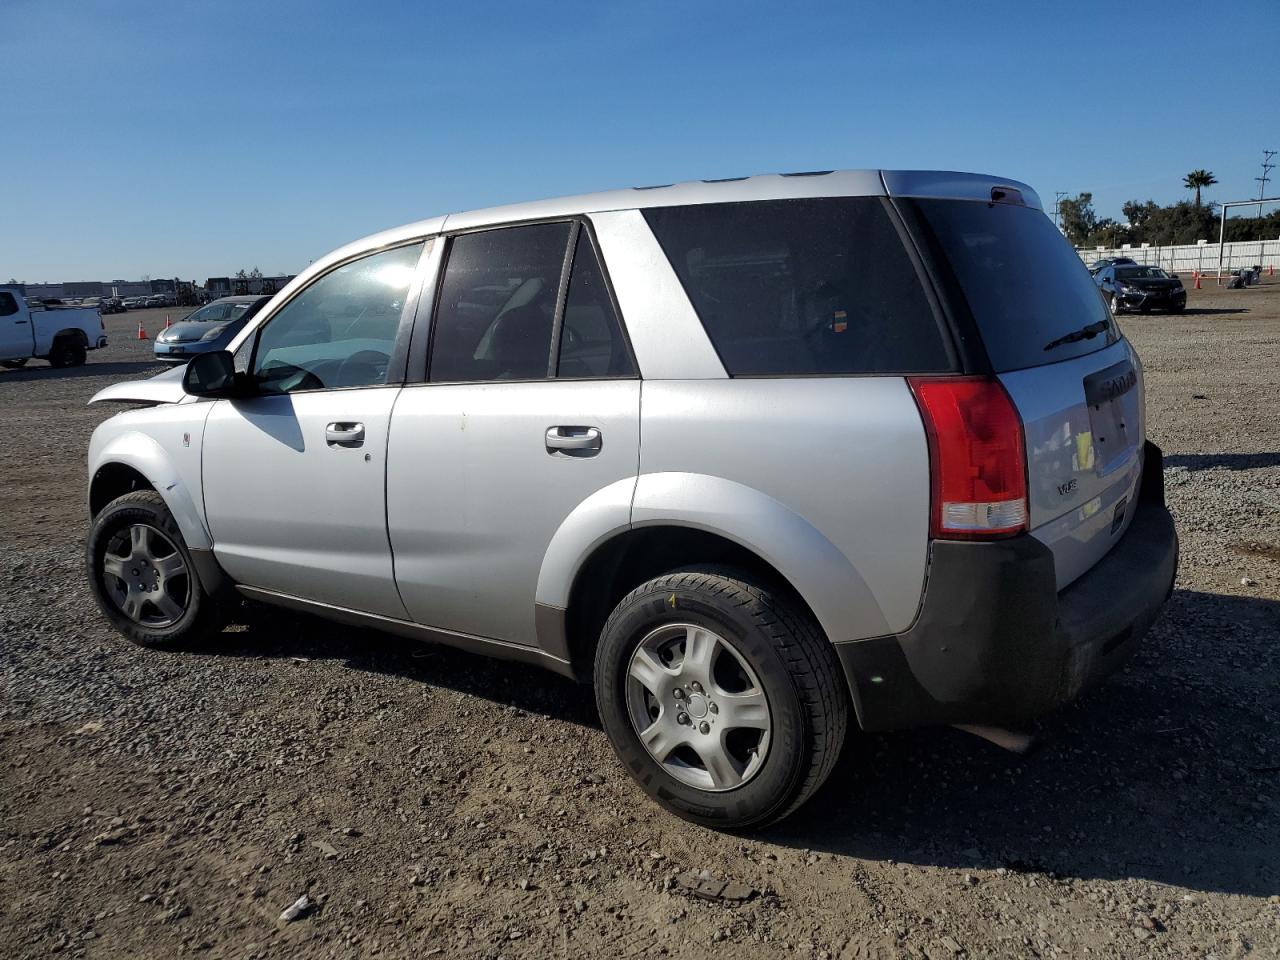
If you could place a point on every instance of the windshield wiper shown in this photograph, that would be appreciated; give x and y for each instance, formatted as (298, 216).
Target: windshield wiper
(1087, 332)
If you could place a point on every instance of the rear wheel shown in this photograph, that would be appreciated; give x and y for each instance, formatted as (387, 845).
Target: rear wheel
(721, 696)
(68, 351)
(141, 573)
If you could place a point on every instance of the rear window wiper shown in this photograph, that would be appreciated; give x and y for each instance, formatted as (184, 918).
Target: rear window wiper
(1087, 332)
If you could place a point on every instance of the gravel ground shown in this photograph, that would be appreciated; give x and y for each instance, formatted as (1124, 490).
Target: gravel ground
(432, 803)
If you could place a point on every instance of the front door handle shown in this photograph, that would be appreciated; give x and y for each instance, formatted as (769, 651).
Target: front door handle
(344, 434)
(574, 441)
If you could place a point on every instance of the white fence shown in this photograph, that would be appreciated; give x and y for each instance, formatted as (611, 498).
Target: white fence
(1184, 258)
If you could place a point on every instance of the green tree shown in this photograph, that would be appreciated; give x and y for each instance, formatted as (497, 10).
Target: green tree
(1197, 179)
(1138, 213)
(1077, 217)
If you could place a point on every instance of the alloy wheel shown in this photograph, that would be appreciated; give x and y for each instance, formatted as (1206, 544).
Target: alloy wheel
(698, 707)
(146, 576)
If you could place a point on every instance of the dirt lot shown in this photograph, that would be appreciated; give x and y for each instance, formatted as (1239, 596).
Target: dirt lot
(432, 803)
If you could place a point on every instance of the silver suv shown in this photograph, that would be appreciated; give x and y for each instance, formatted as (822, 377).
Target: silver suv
(750, 456)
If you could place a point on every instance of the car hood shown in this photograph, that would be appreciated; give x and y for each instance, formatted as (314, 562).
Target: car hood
(1153, 283)
(187, 331)
(163, 388)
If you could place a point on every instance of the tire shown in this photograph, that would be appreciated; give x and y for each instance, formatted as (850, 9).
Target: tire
(1177, 308)
(1115, 305)
(766, 654)
(14, 364)
(168, 604)
(67, 352)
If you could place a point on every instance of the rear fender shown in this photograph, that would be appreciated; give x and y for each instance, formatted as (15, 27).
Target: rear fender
(822, 575)
(815, 568)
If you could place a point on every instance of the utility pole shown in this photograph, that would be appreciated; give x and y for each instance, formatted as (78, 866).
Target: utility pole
(1267, 167)
(1057, 204)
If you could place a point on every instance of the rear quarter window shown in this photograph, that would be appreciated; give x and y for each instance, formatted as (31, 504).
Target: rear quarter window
(804, 287)
(1019, 277)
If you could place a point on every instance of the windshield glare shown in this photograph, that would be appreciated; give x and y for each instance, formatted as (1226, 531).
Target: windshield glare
(1140, 273)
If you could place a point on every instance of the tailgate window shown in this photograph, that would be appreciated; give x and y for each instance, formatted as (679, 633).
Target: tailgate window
(803, 287)
(1025, 286)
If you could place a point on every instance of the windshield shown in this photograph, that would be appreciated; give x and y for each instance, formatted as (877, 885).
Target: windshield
(1021, 279)
(1140, 273)
(218, 312)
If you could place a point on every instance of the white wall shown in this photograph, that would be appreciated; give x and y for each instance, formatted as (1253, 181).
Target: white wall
(1187, 257)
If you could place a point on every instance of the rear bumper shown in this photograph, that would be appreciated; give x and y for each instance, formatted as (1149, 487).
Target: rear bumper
(996, 643)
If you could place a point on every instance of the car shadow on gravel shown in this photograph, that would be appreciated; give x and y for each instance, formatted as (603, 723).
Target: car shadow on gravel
(1169, 772)
(1210, 311)
(1229, 461)
(117, 368)
(270, 633)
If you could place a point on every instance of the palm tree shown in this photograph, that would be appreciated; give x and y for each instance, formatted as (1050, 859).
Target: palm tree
(1197, 179)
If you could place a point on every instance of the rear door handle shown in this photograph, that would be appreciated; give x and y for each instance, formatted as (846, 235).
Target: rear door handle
(344, 434)
(576, 441)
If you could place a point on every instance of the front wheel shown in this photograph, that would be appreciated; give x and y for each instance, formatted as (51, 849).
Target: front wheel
(721, 696)
(141, 574)
(1115, 305)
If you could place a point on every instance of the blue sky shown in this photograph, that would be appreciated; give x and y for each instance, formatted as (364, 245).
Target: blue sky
(193, 139)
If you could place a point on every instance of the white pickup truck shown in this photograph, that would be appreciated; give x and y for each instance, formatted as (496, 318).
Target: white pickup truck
(61, 335)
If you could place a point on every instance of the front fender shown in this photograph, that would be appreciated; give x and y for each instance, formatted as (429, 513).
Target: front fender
(142, 453)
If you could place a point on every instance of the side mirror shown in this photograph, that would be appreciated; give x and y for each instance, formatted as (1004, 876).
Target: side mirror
(213, 375)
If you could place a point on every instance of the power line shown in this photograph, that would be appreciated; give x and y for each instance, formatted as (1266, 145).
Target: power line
(1267, 167)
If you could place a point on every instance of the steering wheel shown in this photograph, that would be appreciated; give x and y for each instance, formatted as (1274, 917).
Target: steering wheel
(363, 368)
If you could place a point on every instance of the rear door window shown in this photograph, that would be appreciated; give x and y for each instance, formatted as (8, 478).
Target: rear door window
(591, 341)
(497, 304)
(1030, 295)
(804, 287)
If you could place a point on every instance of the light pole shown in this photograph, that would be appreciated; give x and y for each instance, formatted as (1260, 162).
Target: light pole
(1057, 204)
(1267, 167)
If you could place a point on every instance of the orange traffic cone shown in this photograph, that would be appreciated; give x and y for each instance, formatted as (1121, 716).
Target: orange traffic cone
(142, 334)
(167, 322)
(1271, 270)
(1196, 274)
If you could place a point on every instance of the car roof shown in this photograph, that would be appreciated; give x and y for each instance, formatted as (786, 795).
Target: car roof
(251, 298)
(772, 186)
(940, 184)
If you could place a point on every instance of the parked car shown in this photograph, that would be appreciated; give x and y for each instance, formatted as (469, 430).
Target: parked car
(1140, 287)
(211, 327)
(1109, 262)
(864, 487)
(61, 335)
(112, 305)
(156, 300)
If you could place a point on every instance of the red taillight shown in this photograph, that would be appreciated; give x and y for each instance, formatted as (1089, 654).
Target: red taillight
(977, 459)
